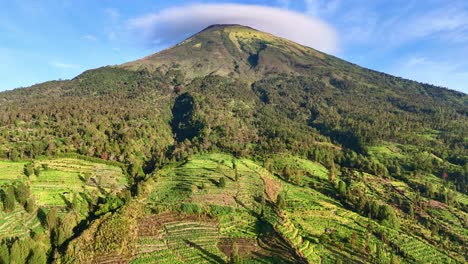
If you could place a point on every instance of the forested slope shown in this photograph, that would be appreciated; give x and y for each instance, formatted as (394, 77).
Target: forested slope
(309, 158)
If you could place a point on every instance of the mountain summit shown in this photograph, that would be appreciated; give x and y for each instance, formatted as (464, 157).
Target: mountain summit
(233, 50)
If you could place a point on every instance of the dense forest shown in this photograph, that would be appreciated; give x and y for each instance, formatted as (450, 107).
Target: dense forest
(268, 118)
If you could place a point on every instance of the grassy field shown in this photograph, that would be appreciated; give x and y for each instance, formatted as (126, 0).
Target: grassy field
(387, 150)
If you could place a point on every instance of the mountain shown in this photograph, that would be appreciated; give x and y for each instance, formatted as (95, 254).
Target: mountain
(234, 51)
(234, 146)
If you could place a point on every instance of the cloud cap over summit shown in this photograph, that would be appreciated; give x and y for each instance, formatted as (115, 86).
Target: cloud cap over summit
(174, 24)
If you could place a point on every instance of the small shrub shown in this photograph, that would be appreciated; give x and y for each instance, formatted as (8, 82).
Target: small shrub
(222, 182)
(190, 208)
(28, 169)
(37, 172)
(280, 201)
(218, 210)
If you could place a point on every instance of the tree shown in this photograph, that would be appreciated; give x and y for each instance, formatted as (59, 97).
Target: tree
(387, 216)
(394, 260)
(37, 256)
(287, 172)
(29, 206)
(76, 203)
(411, 211)
(434, 229)
(37, 172)
(22, 193)
(236, 171)
(19, 251)
(4, 253)
(65, 228)
(354, 238)
(222, 182)
(52, 219)
(374, 209)
(28, 169)
(342, 188)
(14, 155)
(262, 204)
(331, 173)
(379, 251)
(280, 201)
(9, 202)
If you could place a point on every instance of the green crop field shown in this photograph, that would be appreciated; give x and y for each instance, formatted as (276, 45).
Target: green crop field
(18, 223)
(61, 183)
(64, 177)
(10, 171)
(179, 240)
(198, 181)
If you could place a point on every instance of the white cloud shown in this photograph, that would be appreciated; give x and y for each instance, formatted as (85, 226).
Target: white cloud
(174, 24)
(89, 37)
(62, 65)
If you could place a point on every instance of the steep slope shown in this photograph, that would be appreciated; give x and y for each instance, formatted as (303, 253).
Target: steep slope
(234, 51)
(240, 145)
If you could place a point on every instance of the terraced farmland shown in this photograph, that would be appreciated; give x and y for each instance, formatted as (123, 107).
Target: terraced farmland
(198, 180)
(418, 250)
(18, 223)
(171, 239)
(63, 177)
(61, 183)
(10, 171)
(67, 176)
(190, 218)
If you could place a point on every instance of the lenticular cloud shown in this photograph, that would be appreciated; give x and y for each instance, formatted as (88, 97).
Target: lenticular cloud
(174, 24)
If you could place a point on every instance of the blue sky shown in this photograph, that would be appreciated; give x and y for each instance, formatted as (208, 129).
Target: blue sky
(44, 40)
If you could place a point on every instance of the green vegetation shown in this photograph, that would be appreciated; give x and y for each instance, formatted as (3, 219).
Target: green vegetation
(64, 177)
(44, 200)
(252, 149)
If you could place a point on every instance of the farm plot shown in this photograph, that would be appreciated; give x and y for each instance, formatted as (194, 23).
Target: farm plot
(198, 181)
(238, 225)
(63, 177)
(386, 151)
(18, 223)
(10, 171)
(418, 250)
(178, 239)
(310, 215)
(59, 179)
